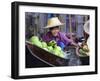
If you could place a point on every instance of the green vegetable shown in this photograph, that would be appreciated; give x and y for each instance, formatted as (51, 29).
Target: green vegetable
(44, 44)
(52, 43)
(35, 41)
(82, 52)
(58, 51)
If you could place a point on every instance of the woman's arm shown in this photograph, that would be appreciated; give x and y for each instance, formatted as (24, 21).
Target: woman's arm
(70, 41)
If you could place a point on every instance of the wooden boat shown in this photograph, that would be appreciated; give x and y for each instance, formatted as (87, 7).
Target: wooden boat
(45, 56)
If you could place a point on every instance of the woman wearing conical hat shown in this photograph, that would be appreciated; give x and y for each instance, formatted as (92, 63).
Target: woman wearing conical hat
(85, 46)
(55, 34)
(86, 34)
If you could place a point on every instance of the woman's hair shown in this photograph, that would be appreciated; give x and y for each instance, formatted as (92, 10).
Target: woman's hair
(53, 28)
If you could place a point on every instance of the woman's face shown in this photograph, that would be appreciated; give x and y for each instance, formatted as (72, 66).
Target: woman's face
(55, 31)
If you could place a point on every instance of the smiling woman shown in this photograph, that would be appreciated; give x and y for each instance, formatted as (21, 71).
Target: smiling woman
(47, 35)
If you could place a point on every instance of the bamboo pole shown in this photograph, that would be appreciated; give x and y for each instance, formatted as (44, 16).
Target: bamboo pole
(76, 23)
(70, 26)
(85, 36)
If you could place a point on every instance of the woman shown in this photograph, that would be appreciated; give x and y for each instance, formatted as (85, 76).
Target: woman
(55, 34)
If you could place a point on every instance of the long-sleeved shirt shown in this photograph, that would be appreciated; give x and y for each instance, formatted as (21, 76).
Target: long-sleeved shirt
(61, 37)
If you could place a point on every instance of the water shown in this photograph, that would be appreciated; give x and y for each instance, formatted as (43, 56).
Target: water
(73, 58)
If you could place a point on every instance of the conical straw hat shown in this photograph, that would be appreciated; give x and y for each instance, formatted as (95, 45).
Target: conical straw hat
(87, 26)
(52, 22)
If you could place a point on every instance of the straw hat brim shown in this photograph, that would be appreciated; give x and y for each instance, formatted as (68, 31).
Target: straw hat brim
(87, 27)
(55, 25)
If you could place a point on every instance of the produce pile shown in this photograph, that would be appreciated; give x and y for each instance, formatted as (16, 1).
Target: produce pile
(50, 47)
(84, 50)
